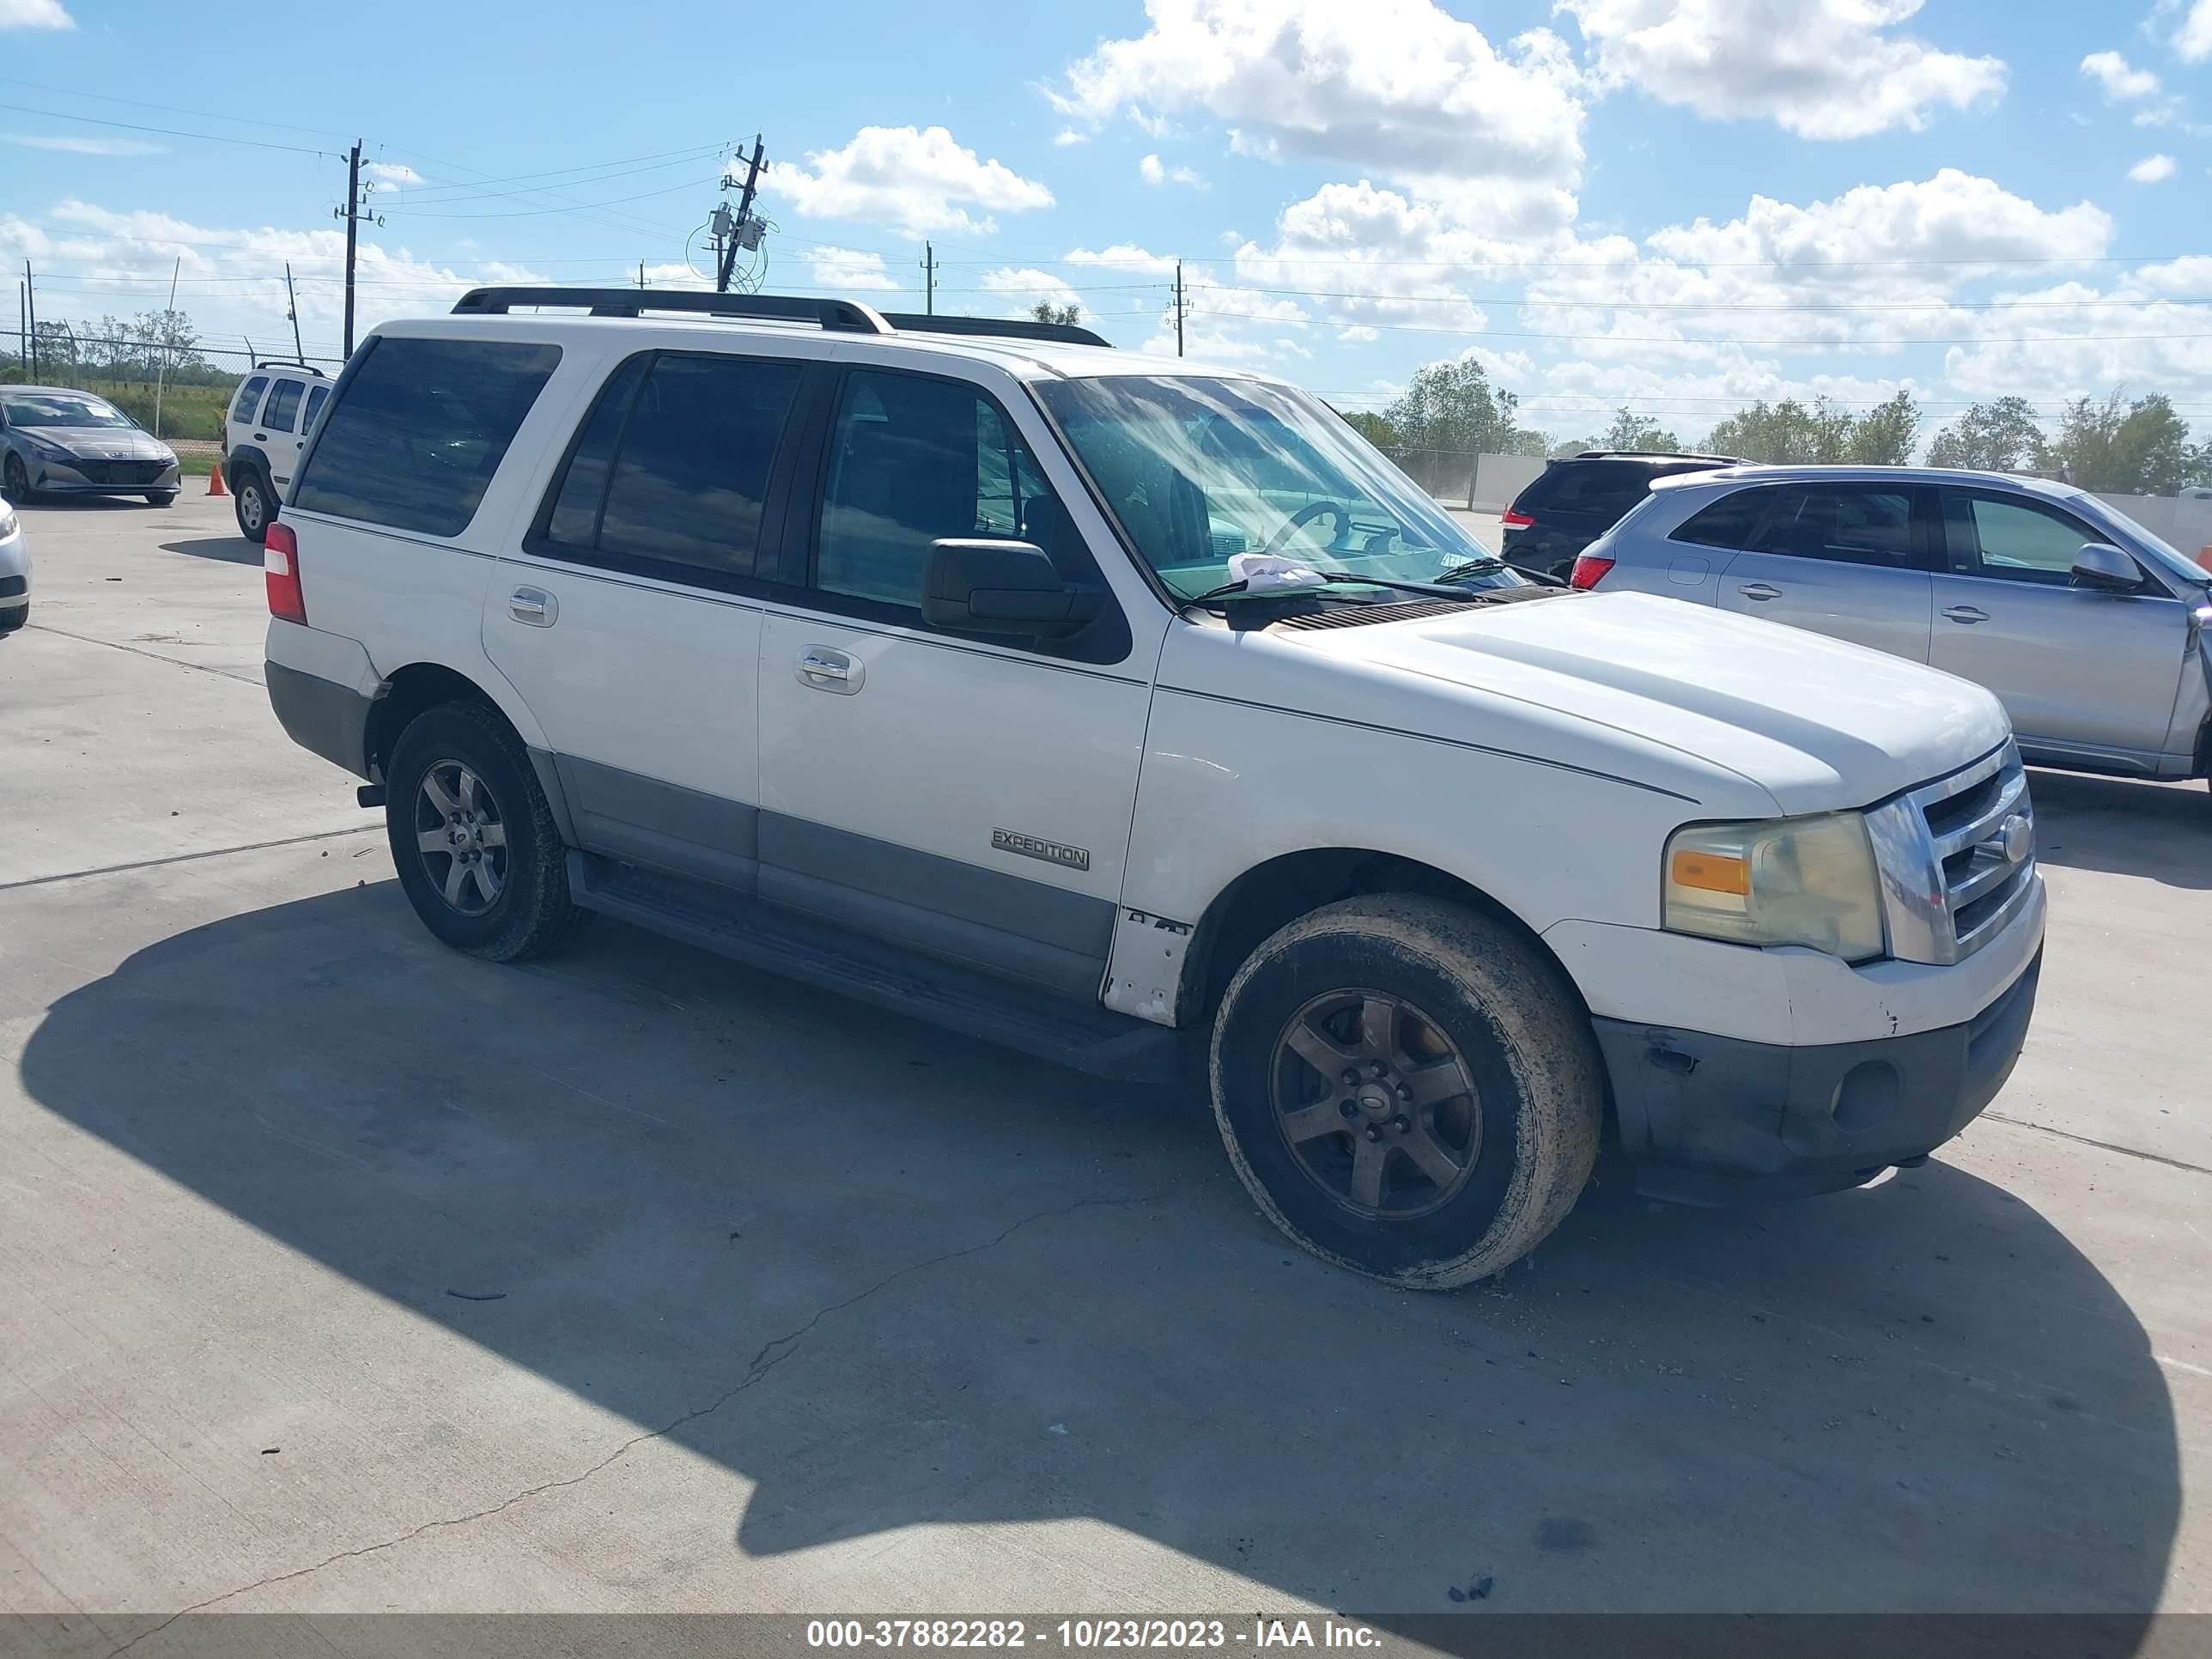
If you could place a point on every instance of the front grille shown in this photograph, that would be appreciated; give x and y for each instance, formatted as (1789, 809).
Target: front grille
(1958, 858)
(118, 472)
(14, 588)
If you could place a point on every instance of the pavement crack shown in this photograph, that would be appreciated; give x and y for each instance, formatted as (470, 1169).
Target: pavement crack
(770, 1354)
(2103, 1146)
(174, 662)
(186, 858)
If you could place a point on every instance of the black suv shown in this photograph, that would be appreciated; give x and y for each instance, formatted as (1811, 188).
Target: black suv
(1574, 501)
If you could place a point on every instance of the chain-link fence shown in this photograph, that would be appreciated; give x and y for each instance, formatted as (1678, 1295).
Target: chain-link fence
(1482, 481)
(176, 391)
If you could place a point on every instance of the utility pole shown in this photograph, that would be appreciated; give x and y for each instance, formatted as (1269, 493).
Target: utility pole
(929, 278)
(1178, 308)
(740, 230)
(298, 351)
(31, 304)
(641, 275)
(353, 216)
(169, 327)
(23, 326)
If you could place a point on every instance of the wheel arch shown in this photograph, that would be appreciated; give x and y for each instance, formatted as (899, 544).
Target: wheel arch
(1278, 890)
(419, 686)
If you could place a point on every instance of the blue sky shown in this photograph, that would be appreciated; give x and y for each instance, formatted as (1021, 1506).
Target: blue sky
(1679, 204)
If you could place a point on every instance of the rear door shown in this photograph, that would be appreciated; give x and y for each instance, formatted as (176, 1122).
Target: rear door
(281, 431)
(2082, 672)
(1847, 560)
(630, 616)
(1572, 504)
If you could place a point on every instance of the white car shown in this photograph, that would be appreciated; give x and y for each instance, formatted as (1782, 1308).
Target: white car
(263, 432)
(1143, 716)
(14, 570)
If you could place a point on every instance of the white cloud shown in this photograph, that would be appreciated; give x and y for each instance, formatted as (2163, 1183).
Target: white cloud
(1397, 86)
(75, 146)
(910, 180)
(1153, 172)
(2152, 169)
(2123, 82)
(1124, 257)
(845, 267)
(2193, 40)
(34, 14)
(231, 278)
(1067, 136)
(396, 176)
(1821, 68)
(1025, 287)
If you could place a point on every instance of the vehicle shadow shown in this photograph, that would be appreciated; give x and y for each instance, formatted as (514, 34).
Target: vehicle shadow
(895, 1278)
(230, 550)
(2161, 831)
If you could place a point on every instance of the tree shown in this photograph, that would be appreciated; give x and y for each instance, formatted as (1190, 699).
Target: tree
(1067, 315)
(1451, 405)
(1376, 428)
(1886, 435)
(1997, 437)
(2141, 449)
(1635, 432)
(1786, 433)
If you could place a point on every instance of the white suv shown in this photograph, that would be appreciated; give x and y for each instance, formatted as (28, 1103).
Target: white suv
(1144, 717)
(263, 435)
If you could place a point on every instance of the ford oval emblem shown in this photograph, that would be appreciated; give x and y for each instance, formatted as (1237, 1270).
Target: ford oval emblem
(2017, 838)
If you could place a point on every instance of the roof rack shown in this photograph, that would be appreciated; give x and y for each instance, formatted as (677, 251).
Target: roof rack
(1657, 455)
(287, 362)
(837, 316)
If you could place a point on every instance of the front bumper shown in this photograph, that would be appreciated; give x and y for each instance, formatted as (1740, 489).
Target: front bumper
(1711, 1119)
(88, 478)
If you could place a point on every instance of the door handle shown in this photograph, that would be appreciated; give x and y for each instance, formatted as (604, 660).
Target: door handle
(533, 606)
(1965, 613)
(1759, 591)
(826, 670)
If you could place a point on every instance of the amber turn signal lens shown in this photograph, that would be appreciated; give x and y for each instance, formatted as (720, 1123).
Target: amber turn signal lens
(1711, 872)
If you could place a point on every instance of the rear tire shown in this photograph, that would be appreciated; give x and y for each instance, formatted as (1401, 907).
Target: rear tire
(253, 503)
(160, 497)
(473, 839)
(1408, 1089)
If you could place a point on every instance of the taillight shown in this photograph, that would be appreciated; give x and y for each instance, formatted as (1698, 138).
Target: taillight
(280, 572)
(1514, 519)
(1587, 571)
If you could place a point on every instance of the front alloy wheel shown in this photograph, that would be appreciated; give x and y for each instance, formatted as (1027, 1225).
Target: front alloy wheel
(460, 835)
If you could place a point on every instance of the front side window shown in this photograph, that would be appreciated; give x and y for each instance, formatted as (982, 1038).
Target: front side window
(1845, 524)
(421, 430)
(284, 405)
(913, 460)
(61, 409)
(671, 467)
(1198, 468)
(249, 399)
(2012, 540)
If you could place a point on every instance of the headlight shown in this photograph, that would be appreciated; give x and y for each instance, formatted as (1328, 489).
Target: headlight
(49, 448)
(9, 523)
(1796, 881)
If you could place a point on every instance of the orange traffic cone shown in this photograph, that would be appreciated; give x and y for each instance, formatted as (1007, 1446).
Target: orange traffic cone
(214, 479)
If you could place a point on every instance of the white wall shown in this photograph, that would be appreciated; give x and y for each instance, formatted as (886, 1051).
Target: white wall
(2186, 522)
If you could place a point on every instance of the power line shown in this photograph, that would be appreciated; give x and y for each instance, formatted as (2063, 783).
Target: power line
(1696, 340)
(171, 132)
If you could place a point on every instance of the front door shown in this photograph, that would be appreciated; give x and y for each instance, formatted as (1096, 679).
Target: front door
(2084, 674)
(629, 619)
(964, 796)
(1846, 560)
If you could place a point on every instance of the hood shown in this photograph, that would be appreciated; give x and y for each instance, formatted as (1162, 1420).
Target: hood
(1680, 696)
(102, 443)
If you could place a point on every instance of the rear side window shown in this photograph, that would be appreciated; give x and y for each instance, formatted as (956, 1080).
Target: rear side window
(249, 399)
(671, 467)
(423, 426)
(1730, 522)
(1609, 488)
(317, 397)
(1848, 524)
(284, 405)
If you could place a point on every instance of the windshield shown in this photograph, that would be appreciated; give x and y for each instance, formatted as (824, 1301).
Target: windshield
(61, 409)
(1200, 468)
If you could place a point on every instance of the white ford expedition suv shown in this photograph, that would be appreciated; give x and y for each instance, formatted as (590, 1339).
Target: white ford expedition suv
(1144, 717)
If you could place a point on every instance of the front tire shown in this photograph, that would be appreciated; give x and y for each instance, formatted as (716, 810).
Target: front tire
(161, 498)
(252, 502)
(15, 481)
(473, 838)
(1408, 1089)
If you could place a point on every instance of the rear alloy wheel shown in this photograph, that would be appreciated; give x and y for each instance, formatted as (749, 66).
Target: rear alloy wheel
(1408, 1088)
(15, 481)
(473, 838)
(250, 500)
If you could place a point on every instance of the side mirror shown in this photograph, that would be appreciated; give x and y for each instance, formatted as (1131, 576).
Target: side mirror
(2101, 565)
(983, 586)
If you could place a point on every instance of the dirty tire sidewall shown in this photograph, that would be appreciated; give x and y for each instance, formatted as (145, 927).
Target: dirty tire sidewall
(533, 914)
(249, 483)
(1524, 1038)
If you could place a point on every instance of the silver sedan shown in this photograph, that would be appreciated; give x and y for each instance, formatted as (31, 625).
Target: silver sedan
(14, 571)
(54, 440)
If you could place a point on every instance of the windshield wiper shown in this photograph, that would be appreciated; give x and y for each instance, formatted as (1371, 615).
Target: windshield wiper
(1476, 566)
(1334, 579)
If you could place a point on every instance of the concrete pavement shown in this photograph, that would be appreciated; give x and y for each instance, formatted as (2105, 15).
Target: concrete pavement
(338, 1272)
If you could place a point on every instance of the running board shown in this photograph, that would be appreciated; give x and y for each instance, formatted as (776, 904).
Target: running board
(1013, 1015)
